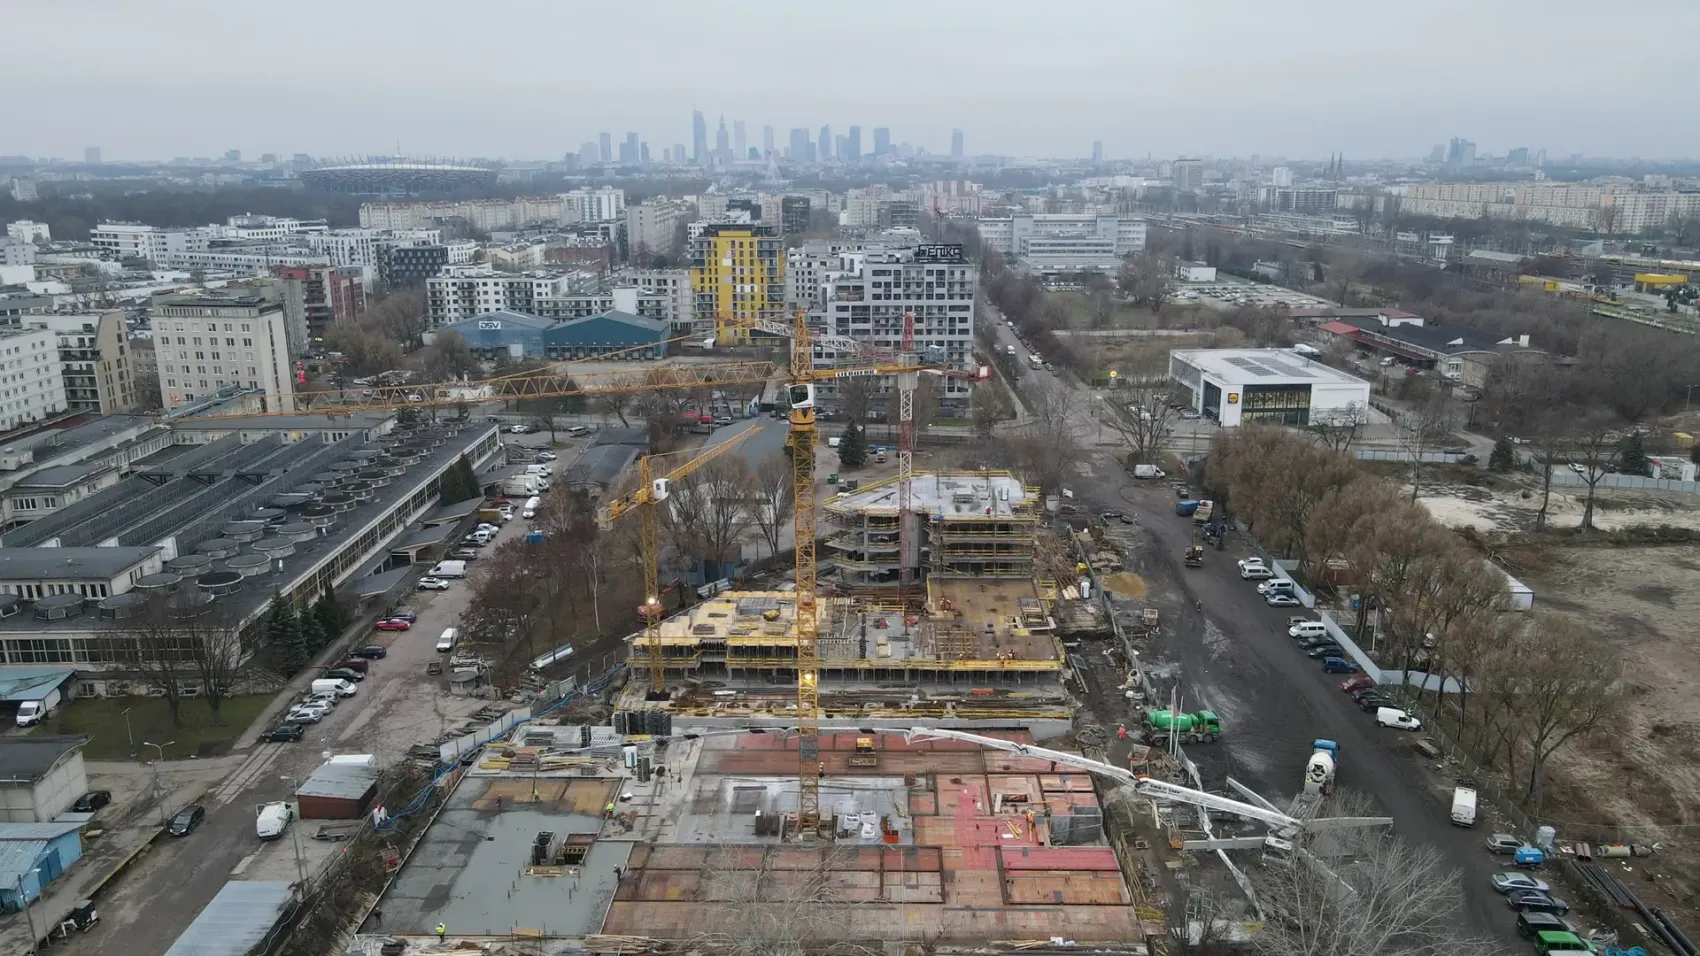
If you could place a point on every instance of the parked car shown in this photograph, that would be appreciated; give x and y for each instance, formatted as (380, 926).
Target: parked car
(404, 614)
(358, 664)
(520, 429)
(1360, 682)
(1529, 924)
(1325, 650)
(1503, 844)
(1282, 600)
(306, 715)
(433, 584)
(92, 801)
(1536, 901)
(464, 554)
(186, 820)
(1397, 719)
(1338, 665)
(285, 733)
(372, 652)
(344, 673)
(1370, 703)
(395, 623)
(1506, 882)
(546, 456)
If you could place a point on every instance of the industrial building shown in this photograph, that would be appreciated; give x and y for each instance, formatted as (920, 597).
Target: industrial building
(342, 788)
(936, 840)
(1281, 387)
(33, 855)
(519, 335)
(1456, 352)
(233, 511)
(41, 775)
(1058, 243)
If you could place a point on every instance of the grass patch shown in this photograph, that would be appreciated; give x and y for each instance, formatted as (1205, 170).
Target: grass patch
(1123, 315)
(101, 719)
(953, 422)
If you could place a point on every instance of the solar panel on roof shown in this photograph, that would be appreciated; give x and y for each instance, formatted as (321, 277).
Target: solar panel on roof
(1285, 369)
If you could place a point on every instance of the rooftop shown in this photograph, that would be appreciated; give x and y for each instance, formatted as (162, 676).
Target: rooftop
(31, 683)
(600, 465)
(30, 757)
(1263, 367)
(236, 921)
(345, 781)
(961, 495)
(1442, 339)
(79, 564)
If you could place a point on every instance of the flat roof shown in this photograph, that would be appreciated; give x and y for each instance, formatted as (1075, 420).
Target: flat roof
(950, 495)
(1263, 367)
(29, 564)
(351, 421)
(61, 476)
(339, 780)
(57, 441)
(31, 683)
(30, 756)
(237, 920)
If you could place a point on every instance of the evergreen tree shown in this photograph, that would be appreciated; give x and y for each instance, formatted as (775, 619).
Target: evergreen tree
(328, 612)
(852, 447)
(459, 483)
(1503, 457)
(313, 637)
(1632, 455)
(283, 631)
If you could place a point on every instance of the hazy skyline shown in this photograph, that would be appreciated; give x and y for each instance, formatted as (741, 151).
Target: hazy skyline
(533, 79)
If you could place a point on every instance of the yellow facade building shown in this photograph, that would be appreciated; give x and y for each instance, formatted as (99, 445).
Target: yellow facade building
(738, 275)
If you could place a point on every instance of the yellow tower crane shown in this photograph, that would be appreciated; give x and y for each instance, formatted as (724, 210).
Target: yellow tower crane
(650, 492)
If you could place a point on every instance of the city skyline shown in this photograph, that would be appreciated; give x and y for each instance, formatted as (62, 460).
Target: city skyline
(1133, 82)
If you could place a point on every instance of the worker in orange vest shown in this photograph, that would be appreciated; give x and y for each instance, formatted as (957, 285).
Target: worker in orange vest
(1121, 732)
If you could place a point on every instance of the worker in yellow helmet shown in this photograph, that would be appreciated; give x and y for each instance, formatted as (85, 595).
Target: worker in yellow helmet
(441, 932)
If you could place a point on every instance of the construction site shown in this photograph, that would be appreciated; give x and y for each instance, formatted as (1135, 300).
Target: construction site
(960, 630)
(927, 841)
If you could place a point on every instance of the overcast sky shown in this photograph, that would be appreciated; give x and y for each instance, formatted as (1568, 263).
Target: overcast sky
(532, 79)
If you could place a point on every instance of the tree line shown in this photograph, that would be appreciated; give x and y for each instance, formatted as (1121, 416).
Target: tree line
(1529, 683)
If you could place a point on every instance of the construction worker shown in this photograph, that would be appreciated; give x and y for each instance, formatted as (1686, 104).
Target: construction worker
(608, 811)
(1121, 732)
(441, 932)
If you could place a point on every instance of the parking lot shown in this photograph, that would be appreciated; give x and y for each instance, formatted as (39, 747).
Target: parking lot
(1228, 295)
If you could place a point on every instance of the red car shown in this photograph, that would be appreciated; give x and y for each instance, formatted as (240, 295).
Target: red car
(394, 624)
(1359, 682)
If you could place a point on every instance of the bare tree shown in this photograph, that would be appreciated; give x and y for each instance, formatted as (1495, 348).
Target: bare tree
(152, 643)
(708, 514)
(1362, 891)
(772, 497)
(214, 645)
(928, 392)
(1142, 416)
(615, 404)
(546, 421)
(1595, 447)
(1339, 428)
(1417, 429)
(1552, 441)
(988, 405)
(1046, 447)
(854, 397)
(1569, 685)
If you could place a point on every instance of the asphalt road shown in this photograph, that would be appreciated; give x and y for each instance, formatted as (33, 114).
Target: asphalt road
(1238, 661)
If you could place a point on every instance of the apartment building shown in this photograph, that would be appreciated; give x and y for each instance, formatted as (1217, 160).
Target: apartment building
(26, 230)
(970, 525)
(738, 275)
(1028, 234)
(806, 265)
(318, 297)
(95, 364)
(462, 292)
(31, 388)
(206, 341)
(652, 228)
(671, 289)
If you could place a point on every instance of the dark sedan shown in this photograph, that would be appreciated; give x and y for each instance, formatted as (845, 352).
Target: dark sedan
(1325, 650)
(186, 820)
(92, 801)
(1370, 702)
(372, 652)
(282, 734)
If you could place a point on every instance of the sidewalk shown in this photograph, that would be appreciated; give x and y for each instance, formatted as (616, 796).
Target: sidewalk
(119, 835)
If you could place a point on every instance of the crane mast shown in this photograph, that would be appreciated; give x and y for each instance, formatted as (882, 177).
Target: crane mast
(801, 394)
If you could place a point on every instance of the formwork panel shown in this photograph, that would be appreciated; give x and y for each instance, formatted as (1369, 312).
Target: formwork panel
(1062, 887)
(923, 803)
(1066, 783)
(962, 795)
(1058, 858)
(912, 859)
(914, 887)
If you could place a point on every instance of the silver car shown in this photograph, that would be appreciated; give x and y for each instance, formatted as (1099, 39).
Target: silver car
(1506, 882)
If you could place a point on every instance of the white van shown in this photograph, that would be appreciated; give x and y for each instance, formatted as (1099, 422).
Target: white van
(576, 430)
(541, 471)
(1464, 807)
(1397, 719)
(531, 506)
(331, 685)
(1307, 629)
(447, 641)
(272, 819)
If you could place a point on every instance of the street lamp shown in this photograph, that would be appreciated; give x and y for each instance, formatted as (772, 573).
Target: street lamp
(24, 903)
(128, 732)
(160, 750)
(1689, 400)
(295, 837)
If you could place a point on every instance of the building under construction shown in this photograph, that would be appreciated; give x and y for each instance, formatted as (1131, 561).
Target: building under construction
(962, 525)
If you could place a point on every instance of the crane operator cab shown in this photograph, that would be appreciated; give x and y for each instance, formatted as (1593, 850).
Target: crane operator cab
(802, 396)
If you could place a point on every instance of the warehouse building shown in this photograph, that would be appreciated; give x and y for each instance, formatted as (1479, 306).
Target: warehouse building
(41, 775)
(518, 335)
(1239, 386)
(341, 789)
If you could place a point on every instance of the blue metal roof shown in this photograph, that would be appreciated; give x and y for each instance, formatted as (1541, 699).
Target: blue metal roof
(609, 330)
(19, 857)
(31, 683)
(10, 832)
(236, 921)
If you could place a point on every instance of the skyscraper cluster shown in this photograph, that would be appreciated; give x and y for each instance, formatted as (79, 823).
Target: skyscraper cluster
(732, 145)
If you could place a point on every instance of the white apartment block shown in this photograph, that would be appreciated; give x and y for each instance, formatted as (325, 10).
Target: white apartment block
(350, 247)
(31, 388)
(606, 204)
(16, 252)
(484, 215)
(867, 294)
(465, 292)
(652, 226)
(1628, 211)
(252, 228)
(805, 268)
(27, 231)
(96, 365)
(672, 287)
(1640, 212)
(204, 342)
(134, 240)
(1037, 233)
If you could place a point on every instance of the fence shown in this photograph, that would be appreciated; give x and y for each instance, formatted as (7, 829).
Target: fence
(1569, 478)
(1427, 457)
